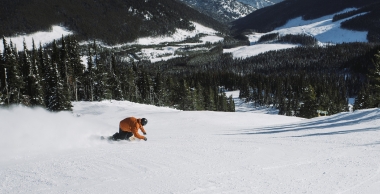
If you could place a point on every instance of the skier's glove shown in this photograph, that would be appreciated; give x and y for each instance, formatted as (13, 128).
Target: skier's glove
(145, 139)
(144, 133)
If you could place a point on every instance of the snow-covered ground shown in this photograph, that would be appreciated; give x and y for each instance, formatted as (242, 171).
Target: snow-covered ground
(56, 33)
(323, 29)
(187, 151)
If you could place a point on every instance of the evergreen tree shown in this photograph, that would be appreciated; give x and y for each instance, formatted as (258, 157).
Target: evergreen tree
(209, 95)
(309, 107)
(76, 68)
(159, 92)
(114, 81)
(14, 80)
(199, 98)
(231, 104)
(26, 67)
(3, 84)
(89, 77)
(101, 88)
(185, 101)
(374, 78)
(364, 99)
(56, 96)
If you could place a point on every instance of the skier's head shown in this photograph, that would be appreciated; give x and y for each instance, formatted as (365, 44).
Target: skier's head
(144, 121)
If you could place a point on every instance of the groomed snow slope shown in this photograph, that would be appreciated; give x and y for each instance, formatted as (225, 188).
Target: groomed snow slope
(187, 152)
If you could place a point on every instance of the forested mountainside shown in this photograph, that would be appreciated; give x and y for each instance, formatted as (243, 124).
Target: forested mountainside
(222, 10)
(112, 21)
(268, 18)
(258, 4)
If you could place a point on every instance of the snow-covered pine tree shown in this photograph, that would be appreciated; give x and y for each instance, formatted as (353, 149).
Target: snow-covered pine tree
(89, 77)
(2, 72)
(76, 66)
(63, 65)
(26, 67)
(56, 98)
(37, 92)
(101, 89)
(14, 78)
(114, 80)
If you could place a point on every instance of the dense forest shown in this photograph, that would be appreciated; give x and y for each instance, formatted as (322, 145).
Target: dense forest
(297, 81)
(111, 21)
(53, 77)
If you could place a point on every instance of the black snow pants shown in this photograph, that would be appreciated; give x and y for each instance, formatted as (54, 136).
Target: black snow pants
(122, 135)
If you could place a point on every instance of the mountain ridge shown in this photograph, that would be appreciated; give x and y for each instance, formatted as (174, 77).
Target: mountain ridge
(112, 21)
(263, 20)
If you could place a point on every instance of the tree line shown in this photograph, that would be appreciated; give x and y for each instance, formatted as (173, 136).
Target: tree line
(296, 81)
(54, 76)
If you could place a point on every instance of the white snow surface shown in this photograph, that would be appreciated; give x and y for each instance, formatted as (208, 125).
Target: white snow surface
(187, 151)
(180, 35)
(56, 33)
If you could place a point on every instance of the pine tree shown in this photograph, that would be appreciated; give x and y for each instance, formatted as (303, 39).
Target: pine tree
(26, 67)
(3, 84)
(159, 92)
(14, 78)
(114, 81)
(76, 67)
(64, 65)
(36, 92)
(231, 104)
(374, 78)
(209, 95)
(364, 99)
(199, 98)
(309, 107)
(101, 88)
(185, 100)
(56, 96)
(89, 77)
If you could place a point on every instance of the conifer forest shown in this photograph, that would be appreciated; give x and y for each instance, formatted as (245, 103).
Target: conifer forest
(297, 81)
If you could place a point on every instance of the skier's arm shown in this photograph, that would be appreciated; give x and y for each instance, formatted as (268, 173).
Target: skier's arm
(142, 130)
(136, 134)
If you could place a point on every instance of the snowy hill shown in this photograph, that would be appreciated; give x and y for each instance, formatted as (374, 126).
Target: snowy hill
(324, 29)
(187, 152)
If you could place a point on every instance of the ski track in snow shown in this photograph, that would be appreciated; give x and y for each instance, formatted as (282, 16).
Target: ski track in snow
(189, 151)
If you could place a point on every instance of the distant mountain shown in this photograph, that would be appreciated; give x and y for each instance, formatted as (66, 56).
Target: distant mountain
(222, 10)
(111, 21)
(269, 18)
(258, 4)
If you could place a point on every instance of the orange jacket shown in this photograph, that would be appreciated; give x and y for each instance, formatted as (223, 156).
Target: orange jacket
(131, 124)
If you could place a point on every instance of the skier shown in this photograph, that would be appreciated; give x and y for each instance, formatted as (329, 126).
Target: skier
(130, 126)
